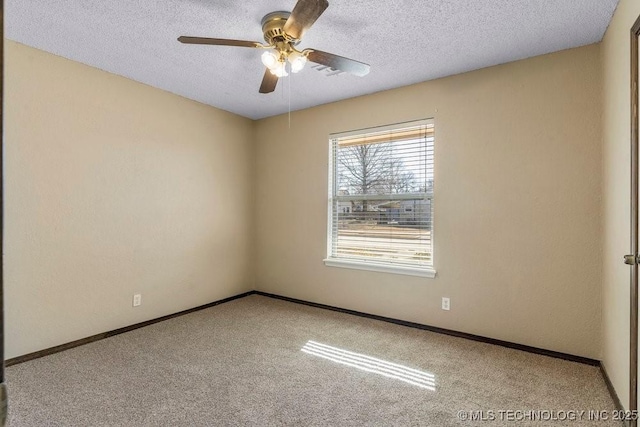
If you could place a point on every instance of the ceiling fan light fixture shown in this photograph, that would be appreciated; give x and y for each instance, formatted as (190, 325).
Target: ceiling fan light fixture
(270, 59)
(280, 69)
(297, 61)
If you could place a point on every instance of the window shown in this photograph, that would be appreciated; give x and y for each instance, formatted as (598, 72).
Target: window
(381, 199)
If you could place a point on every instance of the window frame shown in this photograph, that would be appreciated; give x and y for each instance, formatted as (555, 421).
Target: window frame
(427, 271)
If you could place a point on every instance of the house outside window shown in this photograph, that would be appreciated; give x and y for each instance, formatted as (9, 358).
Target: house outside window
(381, 199)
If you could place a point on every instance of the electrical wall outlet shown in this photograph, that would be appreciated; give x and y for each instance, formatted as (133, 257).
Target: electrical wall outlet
(446, 304)
(137, 300)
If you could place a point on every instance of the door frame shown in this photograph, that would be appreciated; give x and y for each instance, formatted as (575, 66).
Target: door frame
(3, 387)
(633, 291)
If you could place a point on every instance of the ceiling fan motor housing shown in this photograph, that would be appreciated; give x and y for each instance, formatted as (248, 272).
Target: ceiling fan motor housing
(272, 24)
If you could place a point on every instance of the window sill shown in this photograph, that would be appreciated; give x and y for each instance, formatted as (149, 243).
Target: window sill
(382, 268)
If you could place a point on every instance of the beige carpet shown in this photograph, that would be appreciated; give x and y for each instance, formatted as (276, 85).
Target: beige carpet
(242, 363)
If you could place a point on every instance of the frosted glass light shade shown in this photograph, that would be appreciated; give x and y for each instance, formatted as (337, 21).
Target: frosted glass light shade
(269, 59)
(280, 69)
(297, 62)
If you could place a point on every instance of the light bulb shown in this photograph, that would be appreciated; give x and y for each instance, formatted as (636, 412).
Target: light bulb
(297, 62)
(269, 59)
(280, 69)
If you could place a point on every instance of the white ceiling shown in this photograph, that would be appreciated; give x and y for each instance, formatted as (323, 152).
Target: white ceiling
(404, 41)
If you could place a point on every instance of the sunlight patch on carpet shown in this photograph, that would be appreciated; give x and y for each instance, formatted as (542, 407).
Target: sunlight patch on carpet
(371, 364)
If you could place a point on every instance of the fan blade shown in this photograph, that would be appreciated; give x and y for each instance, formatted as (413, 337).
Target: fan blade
(269, 82)
(217, 42)
(303, 15)
(339, 63)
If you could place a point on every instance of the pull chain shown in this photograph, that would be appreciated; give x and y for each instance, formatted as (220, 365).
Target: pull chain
(290, 77)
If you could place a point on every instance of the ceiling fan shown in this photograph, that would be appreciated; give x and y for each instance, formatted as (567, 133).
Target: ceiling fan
(282, 32)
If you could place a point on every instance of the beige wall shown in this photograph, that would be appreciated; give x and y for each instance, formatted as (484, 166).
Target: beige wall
(616, 177)
(115, 188)
(517, 203)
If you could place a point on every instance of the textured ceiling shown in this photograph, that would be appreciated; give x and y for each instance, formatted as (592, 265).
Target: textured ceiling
(404, 41)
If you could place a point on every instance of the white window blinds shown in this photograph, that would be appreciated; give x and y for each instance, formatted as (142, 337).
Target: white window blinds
(381, 196)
